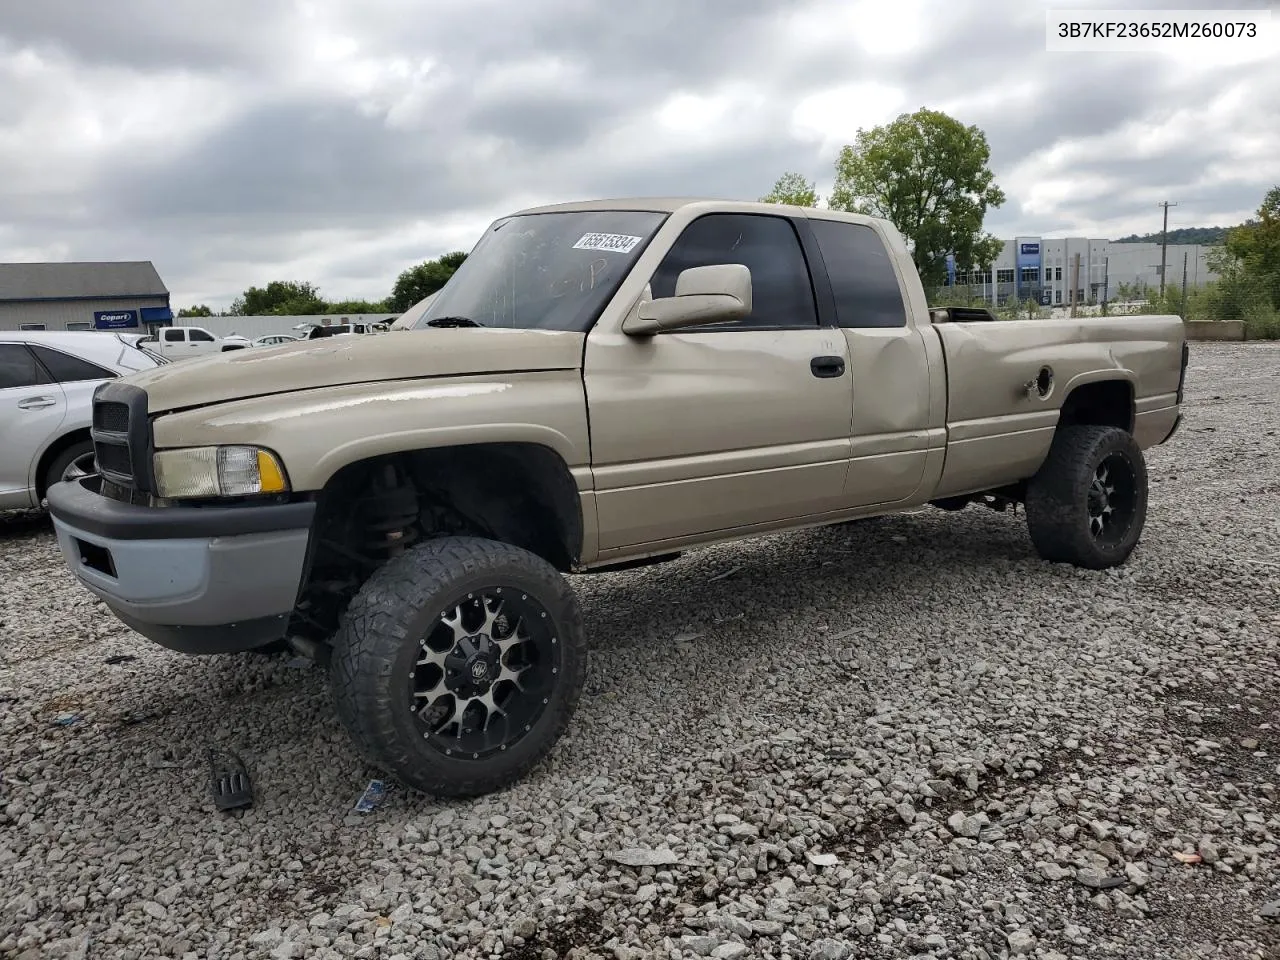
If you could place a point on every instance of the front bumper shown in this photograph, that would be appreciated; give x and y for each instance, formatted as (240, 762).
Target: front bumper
(194, 579)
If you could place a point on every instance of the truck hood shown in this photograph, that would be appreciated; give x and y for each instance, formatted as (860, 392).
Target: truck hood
(364, 358)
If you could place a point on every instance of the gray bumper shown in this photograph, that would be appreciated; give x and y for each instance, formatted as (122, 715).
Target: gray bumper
(194, 579)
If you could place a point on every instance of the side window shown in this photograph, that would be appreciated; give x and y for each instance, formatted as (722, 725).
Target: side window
(862, 278)
(200, 336)
(173, 336)
(781, 292)
(18, 367)
(67, 369)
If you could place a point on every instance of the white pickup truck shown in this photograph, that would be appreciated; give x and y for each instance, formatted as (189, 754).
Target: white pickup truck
(175, 343)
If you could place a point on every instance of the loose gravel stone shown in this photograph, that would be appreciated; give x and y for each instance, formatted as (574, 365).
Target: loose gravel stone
(903, 737)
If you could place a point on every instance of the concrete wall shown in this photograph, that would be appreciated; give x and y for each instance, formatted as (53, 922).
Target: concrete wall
(56, 314)
(1215, 330)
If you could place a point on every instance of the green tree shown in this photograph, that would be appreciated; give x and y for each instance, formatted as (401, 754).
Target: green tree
(423, 280)
(279, 298)
(1255, 246)
(928, 174)
(357, 306)
(792, 189)
(200, 311)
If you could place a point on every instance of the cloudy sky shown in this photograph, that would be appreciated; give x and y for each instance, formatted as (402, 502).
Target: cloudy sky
(340, 141)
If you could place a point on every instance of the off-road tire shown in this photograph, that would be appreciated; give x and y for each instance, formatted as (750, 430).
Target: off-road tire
(1058, 497)
(379, 640)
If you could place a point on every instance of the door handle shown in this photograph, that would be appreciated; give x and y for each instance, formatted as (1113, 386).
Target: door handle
(827, 366)
(35, 403)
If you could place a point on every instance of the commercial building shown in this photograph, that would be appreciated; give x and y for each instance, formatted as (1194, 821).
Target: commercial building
(102, 295)
(1043, 270)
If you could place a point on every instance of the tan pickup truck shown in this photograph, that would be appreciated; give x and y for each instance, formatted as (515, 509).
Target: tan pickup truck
(600, 384)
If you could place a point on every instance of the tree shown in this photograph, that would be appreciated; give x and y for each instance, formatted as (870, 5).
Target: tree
(279, 298)
(200, 311)
(792, 189)
(423, 280)
(357, 306)
(1255, 246)
(927, 173)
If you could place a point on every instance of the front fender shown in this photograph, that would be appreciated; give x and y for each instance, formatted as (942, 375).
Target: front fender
(318, 432)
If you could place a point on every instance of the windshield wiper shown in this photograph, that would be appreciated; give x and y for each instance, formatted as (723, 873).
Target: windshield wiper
(453, 322)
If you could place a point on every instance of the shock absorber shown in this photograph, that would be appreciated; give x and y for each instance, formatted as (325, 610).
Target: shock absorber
(391, 513)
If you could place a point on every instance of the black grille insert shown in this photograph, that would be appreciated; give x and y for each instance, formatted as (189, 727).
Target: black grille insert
(113, 459)
(111, 416)
(122, 435)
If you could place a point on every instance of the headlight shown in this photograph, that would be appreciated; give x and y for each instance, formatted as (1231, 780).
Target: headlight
(218, 472)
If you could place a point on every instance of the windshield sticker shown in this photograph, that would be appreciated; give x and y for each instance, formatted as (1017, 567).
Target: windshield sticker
(612, 242)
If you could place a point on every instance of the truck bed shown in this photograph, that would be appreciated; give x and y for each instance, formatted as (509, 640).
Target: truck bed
(1007, 381)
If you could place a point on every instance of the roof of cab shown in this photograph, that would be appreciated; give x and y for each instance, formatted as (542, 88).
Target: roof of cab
(651, 204)
(672, 204)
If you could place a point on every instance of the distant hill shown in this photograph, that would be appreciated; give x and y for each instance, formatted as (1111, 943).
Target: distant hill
(1207, 236)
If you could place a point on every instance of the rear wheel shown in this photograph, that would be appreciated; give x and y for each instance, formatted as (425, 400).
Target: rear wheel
(1088, 502)
(459, 664)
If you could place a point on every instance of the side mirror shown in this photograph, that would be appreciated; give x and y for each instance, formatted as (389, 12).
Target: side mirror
(715, 294)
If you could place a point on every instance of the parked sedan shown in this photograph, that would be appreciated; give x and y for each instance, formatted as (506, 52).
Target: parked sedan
(272, 339)
(47, 381)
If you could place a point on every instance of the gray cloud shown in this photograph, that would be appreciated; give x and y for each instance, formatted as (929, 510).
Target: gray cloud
(334, 152)
(154, 34)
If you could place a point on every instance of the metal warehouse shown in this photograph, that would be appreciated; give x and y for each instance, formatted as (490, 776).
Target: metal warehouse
(100, 295)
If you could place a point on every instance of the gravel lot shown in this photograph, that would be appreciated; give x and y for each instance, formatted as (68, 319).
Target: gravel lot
(907, 737)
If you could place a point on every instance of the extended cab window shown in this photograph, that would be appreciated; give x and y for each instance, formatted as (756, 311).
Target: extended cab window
(18, 368)
(68, 369)
(173, 336)
(781, 293)
(862, 277)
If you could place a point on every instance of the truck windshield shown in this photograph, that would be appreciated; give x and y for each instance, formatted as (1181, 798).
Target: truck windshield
(545, 271)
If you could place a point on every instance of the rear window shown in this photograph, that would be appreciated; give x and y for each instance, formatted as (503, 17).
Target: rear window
(862, 277)
(68, 369)
(18, 367)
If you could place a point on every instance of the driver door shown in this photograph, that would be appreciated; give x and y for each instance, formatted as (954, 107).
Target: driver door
(719, 428)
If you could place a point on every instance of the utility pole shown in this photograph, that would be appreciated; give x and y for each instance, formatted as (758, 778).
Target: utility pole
(1075, 281)
(1184, 286)
(1164, 234)
(1106, 277)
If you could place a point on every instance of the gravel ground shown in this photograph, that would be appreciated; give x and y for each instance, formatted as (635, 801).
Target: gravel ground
(906, 737)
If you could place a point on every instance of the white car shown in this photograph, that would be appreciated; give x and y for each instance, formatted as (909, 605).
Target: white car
(272, 339)
(47, 381)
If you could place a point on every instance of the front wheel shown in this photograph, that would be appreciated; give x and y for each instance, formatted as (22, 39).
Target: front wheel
(459, 664)
(74, 462)
(1088, 502)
